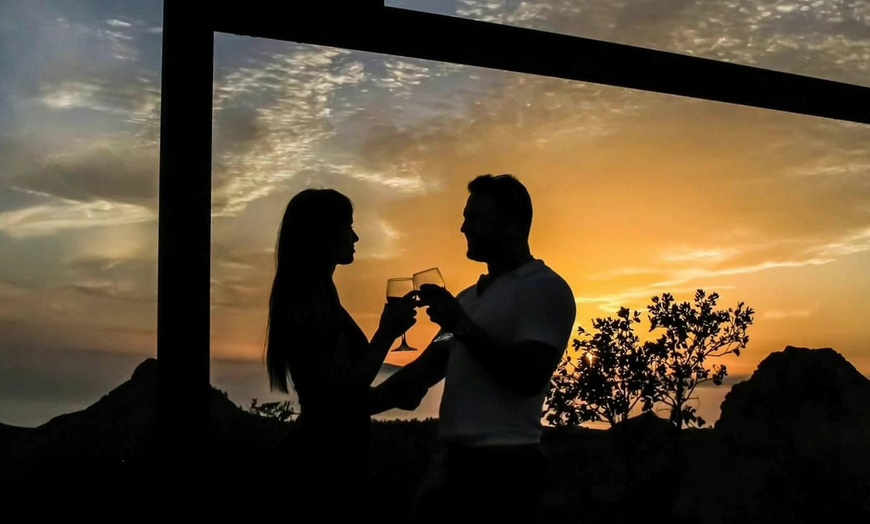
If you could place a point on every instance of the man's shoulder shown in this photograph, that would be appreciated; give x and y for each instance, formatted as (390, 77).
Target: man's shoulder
(540, 274)
(465, 292)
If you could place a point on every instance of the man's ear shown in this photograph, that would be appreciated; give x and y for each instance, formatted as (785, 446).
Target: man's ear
(512, 229)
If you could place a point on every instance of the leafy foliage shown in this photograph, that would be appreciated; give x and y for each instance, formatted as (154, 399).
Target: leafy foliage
(607, 377)
(694, 332)
(283, 411)
(612, 373)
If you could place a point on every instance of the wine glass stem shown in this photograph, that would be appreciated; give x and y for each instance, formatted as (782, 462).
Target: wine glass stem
(404, 341)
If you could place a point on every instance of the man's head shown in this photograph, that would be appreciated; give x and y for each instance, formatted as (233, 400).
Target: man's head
(497, 217)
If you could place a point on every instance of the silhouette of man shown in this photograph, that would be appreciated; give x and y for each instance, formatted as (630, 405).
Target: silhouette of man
(500, 342)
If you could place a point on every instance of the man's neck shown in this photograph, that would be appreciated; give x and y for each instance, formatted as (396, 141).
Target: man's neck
(509, 262)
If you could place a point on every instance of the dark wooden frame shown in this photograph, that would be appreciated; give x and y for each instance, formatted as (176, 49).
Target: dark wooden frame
(186, 149)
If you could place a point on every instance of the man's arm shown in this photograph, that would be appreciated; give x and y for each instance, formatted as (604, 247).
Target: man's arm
(542, 331)
(523, 368)
(406, 388)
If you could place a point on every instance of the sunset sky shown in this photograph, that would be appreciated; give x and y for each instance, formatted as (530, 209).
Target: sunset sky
(635, 194)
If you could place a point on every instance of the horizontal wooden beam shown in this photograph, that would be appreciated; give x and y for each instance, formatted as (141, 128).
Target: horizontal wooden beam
(442, 38)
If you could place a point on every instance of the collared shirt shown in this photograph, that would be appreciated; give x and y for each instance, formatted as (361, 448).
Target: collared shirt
(530, 303)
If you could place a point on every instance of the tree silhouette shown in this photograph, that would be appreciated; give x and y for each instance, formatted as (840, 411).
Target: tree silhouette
(612, 373)
(283, 411)
(693, 333)
(606, 378)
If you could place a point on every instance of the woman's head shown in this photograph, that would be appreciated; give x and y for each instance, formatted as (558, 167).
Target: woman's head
(316, 231)
(316, 234)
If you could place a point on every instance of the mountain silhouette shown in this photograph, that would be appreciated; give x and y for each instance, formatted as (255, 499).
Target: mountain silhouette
(109, 449)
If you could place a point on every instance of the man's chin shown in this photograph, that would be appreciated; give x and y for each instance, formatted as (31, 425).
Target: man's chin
(473, 255)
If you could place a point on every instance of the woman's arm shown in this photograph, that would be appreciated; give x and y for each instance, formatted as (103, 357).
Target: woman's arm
(406, 388)
(396, 318)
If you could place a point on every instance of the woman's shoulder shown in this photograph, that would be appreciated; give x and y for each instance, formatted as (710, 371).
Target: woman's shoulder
(351, 330)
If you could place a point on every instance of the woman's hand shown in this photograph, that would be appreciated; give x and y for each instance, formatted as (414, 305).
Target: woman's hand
(399, 315)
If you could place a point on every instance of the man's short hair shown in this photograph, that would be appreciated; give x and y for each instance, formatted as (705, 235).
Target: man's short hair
(511, 196)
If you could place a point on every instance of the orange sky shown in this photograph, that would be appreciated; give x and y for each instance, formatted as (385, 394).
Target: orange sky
(635, 194)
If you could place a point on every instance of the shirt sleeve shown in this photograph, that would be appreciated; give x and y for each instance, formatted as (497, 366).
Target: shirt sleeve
(547, 312)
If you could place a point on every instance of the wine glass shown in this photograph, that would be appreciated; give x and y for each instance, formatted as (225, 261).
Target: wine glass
(396, 289)
(431, 276)
(428, 276)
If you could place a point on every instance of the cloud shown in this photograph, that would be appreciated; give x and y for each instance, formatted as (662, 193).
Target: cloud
(10, 295)
(295, 119)
(60, 216)
(848, 244)
(824, 39)
(107, 67)
(117, 171)
(127, 277)
(787, 314)
(241, 278)
(611, 302)
(667, 191)
(649, 12)
(134, 98)
(259, 151)
(606, 147)
(383, 240)
(681, 266)
(124, 289)
(703, 255)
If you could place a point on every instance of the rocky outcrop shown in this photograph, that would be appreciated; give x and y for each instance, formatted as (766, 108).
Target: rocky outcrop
(793, 445)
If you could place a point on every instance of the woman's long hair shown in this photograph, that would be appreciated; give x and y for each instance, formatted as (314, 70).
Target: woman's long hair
(304, 310)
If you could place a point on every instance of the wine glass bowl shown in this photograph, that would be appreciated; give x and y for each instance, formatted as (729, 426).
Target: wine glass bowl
(428, 276)
(396, 289)
(399, 287)
(432, 276)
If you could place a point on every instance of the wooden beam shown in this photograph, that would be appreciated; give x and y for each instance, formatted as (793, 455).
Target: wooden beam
(449, 39)
(183, 278)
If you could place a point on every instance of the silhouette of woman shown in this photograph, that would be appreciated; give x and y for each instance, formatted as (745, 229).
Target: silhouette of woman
(315, 346)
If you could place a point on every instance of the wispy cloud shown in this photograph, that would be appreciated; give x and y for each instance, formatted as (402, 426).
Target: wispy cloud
(291, 94)
(128, 289)
(701, 255)
(611, 302)
(134, 99)
(304, 129)
(53, 218)
(848, 244)
(784, 314)
(113, 170)
(811, 37)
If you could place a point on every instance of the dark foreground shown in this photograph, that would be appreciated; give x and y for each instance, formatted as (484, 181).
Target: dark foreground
(792, 445)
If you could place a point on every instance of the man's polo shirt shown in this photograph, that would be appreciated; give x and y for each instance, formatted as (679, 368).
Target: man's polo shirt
(531, 303)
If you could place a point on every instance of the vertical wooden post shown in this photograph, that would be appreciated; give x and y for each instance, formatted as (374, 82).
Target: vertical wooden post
(183, 283)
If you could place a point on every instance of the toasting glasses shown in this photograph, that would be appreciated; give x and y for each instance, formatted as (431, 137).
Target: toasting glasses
(399, 287)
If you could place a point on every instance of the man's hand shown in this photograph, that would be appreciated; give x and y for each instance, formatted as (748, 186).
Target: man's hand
(442, 307)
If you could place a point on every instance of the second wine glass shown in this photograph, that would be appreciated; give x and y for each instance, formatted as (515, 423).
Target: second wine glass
(432, 276)
(428, 276)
